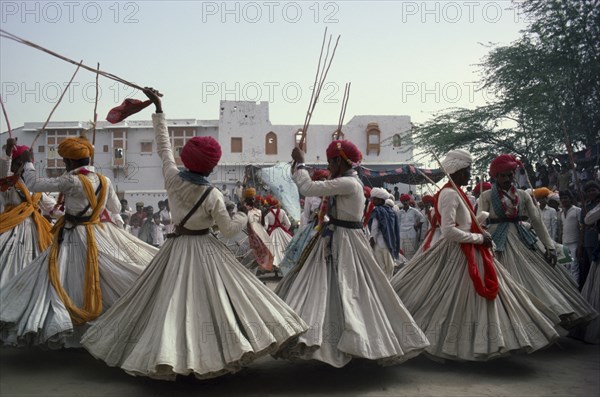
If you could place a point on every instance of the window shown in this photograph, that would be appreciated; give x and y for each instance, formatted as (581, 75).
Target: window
(119, 143)
(53, 139)
(236, 145)
(271, 143)
(41, 149)
(105, 149)
(179, 137)
(146, 147)
(297, 137)
(373, 138)
(396, 140)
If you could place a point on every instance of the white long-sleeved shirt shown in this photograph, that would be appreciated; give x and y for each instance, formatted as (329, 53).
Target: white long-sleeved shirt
(183, 195)
(530, 210)
(347, 189)
(74, 194)
(550, 218)
(569, 221)
(456, 219)
(11, 195)
(407, 220)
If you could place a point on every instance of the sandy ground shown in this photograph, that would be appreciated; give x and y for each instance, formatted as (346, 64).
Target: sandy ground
(569, 368)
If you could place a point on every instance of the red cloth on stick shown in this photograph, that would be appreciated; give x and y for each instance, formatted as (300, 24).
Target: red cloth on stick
(127, 108)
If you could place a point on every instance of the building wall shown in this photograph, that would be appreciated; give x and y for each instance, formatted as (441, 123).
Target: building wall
(140, 176)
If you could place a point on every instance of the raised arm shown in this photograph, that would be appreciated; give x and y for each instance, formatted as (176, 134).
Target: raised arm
(161, 133)
(308, 187)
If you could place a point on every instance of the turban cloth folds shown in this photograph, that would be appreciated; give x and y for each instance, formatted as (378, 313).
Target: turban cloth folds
(201, 154)
(504, 163)
(75, 148)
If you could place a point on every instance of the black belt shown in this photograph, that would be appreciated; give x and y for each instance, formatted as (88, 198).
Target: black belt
(74, 219)
(346, 224)
(493, 221)
(182, 231)
(77, 219)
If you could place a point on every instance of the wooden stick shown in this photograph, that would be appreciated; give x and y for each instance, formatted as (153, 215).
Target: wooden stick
(338, 131)
(55, 106)
(468, 205)
(322, 71)
(535, 202)
(95, 114)
(6, 118)
(428, 180)
(427, 184)
(312, 95)
(10, 36)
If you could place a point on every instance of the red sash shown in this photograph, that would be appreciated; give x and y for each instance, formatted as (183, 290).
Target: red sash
(488, 288)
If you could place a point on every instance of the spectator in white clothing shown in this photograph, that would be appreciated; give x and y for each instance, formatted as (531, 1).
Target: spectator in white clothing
(569, 229)
(549, 214)
(410, 220)
(158, 231)
(165, 216)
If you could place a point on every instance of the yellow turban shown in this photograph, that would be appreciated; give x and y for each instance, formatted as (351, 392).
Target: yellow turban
(542, 192)
(249, 192)
(75, 148)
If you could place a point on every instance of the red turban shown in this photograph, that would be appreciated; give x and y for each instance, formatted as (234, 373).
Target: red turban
(201, 154)
(504, 163)
(127, 108)
(345, 149)
(18, 151)
(477, 188)
(319, 174)
(367, 191)
(427, 199)
(272, 201)
(405, 197)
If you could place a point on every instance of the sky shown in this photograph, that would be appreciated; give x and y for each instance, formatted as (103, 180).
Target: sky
(411, 58)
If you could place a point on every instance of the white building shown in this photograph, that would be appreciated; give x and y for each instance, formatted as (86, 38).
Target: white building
(126, 152)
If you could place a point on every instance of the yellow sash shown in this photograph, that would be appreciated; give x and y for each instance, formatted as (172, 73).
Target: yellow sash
(92, 295)
(14, 215)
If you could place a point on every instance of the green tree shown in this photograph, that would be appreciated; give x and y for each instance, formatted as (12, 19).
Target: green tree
(545, 83)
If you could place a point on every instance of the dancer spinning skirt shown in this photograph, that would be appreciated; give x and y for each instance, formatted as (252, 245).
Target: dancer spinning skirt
(88, 266)
(258, 238)
(337, 287)
(517, 250)
(277, 224)
(308, 226)
(591, 288)
(24, 232)
(196, 309)
(467, 304)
